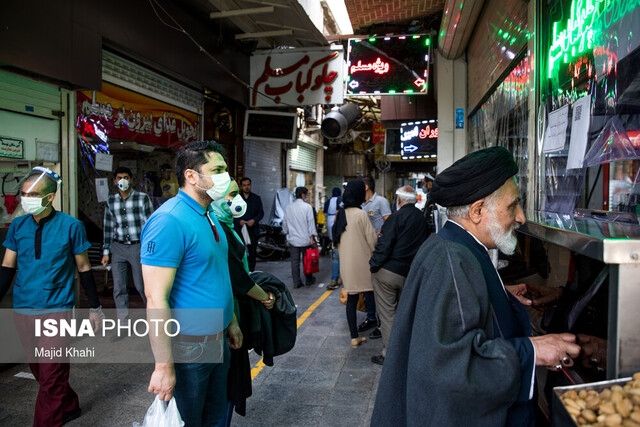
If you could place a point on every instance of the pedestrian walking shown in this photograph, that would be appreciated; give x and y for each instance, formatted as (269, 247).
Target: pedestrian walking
(124, 216)
(402, 235)
(356, 239)
(44, 249)
(300, 227)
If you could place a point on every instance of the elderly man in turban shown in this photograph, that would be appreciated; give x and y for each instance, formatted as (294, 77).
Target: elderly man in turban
(461, 350)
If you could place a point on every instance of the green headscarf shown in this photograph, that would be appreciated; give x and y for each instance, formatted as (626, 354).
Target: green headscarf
(222, 211)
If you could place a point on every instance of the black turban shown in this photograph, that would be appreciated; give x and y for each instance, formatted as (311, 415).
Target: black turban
(473, 177)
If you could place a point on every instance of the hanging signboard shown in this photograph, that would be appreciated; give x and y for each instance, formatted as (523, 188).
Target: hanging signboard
(295, 77)
(419, 139)
(379, 133)
(119, 113)
(389, 65)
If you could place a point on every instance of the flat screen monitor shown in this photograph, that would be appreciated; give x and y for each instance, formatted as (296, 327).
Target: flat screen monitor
(272, 126)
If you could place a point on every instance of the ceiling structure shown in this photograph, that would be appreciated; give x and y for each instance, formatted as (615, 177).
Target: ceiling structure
(264, 24)
(394, 16)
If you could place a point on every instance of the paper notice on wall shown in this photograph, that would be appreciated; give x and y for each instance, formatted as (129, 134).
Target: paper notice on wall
(556, 133)
(580, 122)
(104, 162)
(102, 189)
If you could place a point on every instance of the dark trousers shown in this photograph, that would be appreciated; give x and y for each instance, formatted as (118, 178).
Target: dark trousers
(352, 304)
(55, 398)
(297, 252)
(252, 249)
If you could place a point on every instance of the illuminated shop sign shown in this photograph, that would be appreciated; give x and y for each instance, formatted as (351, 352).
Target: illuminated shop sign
(419, 140)
(582, 31)
(388, 65)
(297, 77)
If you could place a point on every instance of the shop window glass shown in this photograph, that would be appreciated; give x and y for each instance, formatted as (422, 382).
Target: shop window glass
(502, 120)
(590, 52)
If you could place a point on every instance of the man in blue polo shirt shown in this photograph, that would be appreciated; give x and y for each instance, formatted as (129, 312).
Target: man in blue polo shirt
(47, 247)
(185, 269)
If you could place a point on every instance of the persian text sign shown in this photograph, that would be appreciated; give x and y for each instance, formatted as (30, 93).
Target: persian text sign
(419, 139)
(120, 113)
(11, 147)
(293, 77)
(379, 133)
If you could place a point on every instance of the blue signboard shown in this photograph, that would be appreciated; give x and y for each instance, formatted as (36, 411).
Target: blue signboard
(459, 118)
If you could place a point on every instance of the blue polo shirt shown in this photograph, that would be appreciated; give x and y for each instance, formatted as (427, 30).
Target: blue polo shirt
(179, 235)
(46, 263)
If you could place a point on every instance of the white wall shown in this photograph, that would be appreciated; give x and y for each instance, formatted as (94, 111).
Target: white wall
(451, 86)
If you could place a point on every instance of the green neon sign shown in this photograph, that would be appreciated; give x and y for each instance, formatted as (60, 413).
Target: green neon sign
(587, 19)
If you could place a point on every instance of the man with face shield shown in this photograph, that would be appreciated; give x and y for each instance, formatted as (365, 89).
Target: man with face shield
(47, 247)
(461, 350)
(186, 274)
(124, 216)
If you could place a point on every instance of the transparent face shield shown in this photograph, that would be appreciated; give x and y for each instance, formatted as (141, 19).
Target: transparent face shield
(32, 184)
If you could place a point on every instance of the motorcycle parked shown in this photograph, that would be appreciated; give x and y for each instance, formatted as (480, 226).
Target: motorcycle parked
(272, 242)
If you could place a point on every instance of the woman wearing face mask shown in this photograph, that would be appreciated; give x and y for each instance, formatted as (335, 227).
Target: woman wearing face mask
(239, 378)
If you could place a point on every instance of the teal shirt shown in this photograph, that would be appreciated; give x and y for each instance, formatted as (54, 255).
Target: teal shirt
(179, 235)
(45, 259)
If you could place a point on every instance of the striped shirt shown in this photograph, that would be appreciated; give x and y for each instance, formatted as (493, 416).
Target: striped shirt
(124, 218)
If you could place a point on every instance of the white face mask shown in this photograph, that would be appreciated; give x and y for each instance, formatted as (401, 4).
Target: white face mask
(123, 184)
(33, 205)
(220, 188)
(238, 206)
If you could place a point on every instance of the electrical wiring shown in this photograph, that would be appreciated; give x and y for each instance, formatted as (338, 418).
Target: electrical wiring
(179, 28)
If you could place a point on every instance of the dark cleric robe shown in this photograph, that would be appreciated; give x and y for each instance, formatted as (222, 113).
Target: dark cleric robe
(458, 352)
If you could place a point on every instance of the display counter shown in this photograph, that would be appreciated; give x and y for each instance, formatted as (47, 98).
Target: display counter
(617, 244)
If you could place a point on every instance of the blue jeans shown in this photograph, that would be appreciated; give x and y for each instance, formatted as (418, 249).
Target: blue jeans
(201, 386)
(335, 265)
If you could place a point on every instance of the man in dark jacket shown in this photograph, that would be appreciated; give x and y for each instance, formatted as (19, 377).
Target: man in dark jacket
(251, 219)
(402, 235)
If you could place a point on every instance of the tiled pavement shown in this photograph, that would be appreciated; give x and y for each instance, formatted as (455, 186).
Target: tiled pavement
(322, 381)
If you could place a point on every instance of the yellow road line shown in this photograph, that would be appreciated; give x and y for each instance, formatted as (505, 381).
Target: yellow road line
(256, 369)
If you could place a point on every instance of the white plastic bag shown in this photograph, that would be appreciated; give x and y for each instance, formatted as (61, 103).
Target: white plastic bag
(245, 235)
(161, 414)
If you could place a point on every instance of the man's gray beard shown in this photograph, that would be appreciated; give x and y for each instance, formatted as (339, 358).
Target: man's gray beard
(506, 242)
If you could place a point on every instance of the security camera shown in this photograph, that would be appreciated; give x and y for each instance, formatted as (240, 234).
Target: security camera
(339, 120)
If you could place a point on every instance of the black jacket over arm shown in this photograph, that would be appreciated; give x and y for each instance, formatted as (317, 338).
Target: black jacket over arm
(402, 234)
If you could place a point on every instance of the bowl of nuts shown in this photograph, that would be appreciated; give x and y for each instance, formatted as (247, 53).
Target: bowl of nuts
(605, 403)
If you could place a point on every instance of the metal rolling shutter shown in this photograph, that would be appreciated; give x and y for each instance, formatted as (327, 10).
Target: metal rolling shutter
(132, 76)
(494, 45)
(263, 162)
(303, 158)
(27, 96)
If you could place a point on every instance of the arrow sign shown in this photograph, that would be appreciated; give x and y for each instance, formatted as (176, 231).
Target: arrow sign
(410, 148)
(353, 84)
(419, 82)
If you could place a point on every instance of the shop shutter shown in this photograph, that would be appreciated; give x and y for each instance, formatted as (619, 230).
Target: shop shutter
(303, 158)
(28, 96)
(494, 45)
(134, 77)
(263, 164)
